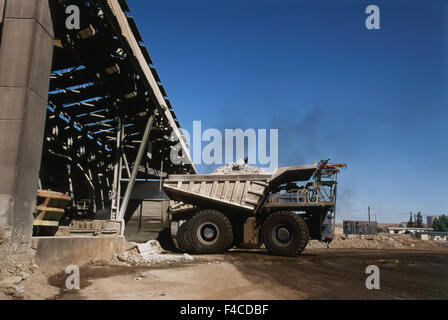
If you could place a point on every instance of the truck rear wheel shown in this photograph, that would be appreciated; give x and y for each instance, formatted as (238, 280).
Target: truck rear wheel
(210, 232)
(285, 233)
(183, 237)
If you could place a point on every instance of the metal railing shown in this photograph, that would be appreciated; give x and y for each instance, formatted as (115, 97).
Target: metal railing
(303, 196)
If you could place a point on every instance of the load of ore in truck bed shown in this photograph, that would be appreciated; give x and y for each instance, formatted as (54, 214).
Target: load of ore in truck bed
(239, 167)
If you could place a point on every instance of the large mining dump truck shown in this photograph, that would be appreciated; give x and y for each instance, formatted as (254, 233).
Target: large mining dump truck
(283, 210)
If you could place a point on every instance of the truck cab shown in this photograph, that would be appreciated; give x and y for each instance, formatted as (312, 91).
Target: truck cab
(309, 191)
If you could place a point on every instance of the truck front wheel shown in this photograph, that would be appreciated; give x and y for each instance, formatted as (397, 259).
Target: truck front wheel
(285, 233)
(210, 232)
(183, 237)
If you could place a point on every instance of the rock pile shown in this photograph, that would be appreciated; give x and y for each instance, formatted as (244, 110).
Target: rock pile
(150, 253)
(239, 167)
(381, 241)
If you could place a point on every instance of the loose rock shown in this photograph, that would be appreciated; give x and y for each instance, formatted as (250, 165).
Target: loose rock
(239, 167)
(149, 253)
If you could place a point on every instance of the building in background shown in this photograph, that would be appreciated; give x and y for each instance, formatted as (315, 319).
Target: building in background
(360, 227)
(405, 230)
(432, 235)
(430, 220)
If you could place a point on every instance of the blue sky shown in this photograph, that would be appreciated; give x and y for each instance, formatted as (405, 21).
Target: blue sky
(375, 99)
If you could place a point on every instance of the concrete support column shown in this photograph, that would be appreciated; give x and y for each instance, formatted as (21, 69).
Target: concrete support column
(2, 9)
(26, 49)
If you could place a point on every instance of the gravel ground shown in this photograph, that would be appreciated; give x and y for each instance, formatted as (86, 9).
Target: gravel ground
(257, 275)
(411, 269)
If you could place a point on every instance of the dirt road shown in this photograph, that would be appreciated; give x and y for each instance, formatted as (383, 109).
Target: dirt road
(316, 274)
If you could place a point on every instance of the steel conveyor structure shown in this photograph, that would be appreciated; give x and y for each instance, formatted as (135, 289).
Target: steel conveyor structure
(109, 120)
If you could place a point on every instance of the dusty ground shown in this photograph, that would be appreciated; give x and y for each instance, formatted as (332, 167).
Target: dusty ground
(254, 274)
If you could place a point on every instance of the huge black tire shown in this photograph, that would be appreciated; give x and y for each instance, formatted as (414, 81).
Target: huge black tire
(166, 241)
(210, 232)
(183, 237)
(285, 233)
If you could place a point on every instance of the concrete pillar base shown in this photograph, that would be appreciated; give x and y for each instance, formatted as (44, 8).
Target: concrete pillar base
(26, 49)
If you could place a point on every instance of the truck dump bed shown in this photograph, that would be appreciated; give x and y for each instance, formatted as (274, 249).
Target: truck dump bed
(241, 191)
